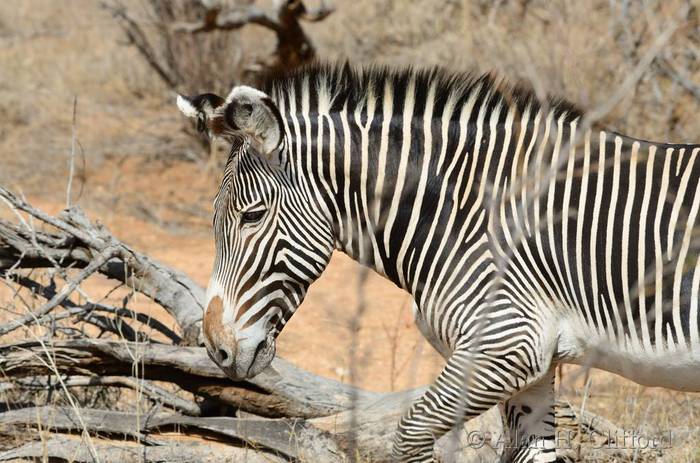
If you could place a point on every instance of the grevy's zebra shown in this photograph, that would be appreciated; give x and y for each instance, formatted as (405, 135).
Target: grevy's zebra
(525, 239)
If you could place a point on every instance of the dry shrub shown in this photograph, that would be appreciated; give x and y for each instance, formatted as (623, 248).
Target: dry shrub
(578, 50)
(184, 62)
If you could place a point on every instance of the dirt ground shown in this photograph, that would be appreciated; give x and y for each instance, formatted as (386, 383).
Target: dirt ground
(141, 181)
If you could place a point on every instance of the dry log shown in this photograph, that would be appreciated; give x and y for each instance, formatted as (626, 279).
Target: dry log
(70, 448)
(91, 313)
(280, 391)
(283, 437)
(147, 388)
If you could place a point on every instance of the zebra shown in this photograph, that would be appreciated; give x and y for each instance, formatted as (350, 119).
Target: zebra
(526, 236)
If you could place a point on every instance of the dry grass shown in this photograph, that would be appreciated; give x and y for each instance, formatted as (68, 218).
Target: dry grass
(131, 138)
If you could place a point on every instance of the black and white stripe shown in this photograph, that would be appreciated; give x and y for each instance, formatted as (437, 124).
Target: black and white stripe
(525, 237)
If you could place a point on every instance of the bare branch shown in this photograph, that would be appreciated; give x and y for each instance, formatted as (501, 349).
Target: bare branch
(86, 310)
(235, 19)
(67, 448)
(81, 243)
(61, 296)
(138, 39)
(674, 73)
(318, 14)
(293, 45)
(145, 387)
(71, 163)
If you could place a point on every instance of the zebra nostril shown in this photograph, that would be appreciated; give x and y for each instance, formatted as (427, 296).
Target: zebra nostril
(224, 357)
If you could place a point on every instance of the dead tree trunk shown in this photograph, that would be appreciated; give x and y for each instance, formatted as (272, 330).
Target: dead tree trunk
(179, 69)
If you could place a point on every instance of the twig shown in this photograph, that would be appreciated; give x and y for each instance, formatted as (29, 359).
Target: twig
(637, 73)
(670, 70)
(586, 391)
(74, 138)
(61, 296)
(89, 307)
(153, 392)
(138, 38)
(50, 364)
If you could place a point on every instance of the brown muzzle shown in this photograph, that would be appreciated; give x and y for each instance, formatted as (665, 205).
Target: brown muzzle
(221, 343)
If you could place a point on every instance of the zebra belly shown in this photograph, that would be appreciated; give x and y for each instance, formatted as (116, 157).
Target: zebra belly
(678, 369)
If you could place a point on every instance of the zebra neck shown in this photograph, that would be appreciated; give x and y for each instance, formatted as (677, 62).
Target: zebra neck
(387, 183)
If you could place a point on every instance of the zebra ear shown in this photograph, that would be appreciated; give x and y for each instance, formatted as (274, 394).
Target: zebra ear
(203, 108)
(252, 112)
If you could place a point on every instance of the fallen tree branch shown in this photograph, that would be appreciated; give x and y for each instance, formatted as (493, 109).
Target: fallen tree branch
(147, 388)
(79, 243)
(86, 312)
(69, 448)
(280, 391)
(61, 296)
(283, 437)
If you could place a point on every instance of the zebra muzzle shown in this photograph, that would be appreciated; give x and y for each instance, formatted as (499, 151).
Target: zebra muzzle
(240, 354)
(220, 341)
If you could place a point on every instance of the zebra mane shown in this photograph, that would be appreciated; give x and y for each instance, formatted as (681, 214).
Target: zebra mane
(333, 85)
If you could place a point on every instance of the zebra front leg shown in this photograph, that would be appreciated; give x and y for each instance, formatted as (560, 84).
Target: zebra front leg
(529, 421)
(470, 384)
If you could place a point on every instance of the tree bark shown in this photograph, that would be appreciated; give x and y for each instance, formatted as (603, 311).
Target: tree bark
(280, 391)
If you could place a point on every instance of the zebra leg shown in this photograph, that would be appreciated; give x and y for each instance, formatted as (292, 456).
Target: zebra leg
(529, 421)
(470, 384)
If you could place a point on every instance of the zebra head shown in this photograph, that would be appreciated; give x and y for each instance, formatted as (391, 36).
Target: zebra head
(271, 243)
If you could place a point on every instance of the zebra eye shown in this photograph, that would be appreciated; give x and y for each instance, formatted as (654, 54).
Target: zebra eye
(252, 216)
